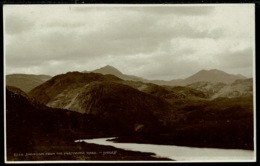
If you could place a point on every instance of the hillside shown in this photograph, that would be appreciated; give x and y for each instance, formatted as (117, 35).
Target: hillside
(239, 88)
(70, 81)
(26, 82)
(17, 91)
(103, 96)
(172, 94)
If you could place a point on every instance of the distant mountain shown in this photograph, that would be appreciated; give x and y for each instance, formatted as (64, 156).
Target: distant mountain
(108, 70)
(26, 82)
(212, 76)
(204, 84)
(112, 70)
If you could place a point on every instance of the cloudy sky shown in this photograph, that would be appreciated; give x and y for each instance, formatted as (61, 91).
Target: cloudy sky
(155, 42)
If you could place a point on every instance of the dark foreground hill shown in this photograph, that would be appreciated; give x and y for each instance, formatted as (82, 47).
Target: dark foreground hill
(220, 123)
(26, 82)
(44, 134)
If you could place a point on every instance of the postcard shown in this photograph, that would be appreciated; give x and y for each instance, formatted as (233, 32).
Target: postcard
(129, 83)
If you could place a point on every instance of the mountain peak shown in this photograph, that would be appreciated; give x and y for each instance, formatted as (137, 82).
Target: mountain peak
(212, 75)
(211, 70)
(108, 66)
(108, 70)
(216, 71)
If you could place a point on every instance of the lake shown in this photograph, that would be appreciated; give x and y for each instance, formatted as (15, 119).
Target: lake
(181, 153)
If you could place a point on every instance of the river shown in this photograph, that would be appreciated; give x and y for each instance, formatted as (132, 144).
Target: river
(181, 153)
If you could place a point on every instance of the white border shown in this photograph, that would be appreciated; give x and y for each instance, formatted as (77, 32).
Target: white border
(114, 161)
(254, 89)
(4, 90)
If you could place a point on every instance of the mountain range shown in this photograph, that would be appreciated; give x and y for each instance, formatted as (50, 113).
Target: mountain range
(109, 97)
(205, 84)
(212, 76)
(27, 82)
(205, 112)
(97, 104)
(208, 83)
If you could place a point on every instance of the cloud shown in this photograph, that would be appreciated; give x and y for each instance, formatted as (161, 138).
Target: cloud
(15, 24)
(240, 58)
(183, 10)
(155, 42)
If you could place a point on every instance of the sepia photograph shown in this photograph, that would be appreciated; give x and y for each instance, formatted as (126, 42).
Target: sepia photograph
(129, 83)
